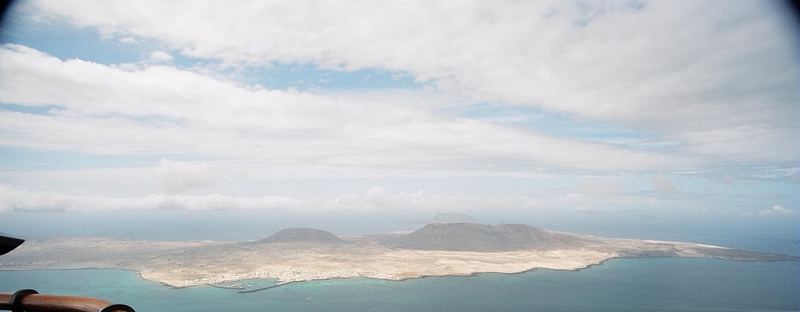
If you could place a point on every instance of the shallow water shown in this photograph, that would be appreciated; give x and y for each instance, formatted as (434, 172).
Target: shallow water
(658, 284)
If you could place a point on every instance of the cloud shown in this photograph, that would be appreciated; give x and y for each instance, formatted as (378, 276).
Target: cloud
(164, 110)
(374, 199)
(128, 40)
(663, 185)
(777, 211)
(678, 69)
(601, 187)
(178, 177)
(160, 57)
(20, 200)
(256, 196)
(677, 73)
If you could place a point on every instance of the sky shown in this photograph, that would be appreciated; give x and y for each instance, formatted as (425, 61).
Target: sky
(209, 120)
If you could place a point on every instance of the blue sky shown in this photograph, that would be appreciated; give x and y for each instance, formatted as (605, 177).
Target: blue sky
(534, 112)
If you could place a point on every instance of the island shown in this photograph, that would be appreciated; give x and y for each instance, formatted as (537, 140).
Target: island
(302, 254)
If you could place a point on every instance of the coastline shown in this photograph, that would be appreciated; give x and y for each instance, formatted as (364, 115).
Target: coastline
(279, 283)
(140, 275)
(230, 263)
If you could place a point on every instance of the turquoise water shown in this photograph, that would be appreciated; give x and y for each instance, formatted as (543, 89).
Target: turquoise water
(659, 284)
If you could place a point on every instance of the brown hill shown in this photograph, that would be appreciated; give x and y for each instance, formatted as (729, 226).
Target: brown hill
(484, 237)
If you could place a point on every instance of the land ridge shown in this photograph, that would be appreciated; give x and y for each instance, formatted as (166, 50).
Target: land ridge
(485, 237)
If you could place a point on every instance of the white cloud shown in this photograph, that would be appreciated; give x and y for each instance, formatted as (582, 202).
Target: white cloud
(164, 110)
(160, 56)
(128, 40)
(372, 200)
(602, 187)
(777, 211)
(178, 177)
(376, 200)
(720, 79)
(12, 199)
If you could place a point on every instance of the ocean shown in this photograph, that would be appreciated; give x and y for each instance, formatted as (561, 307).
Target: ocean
(652, 284)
